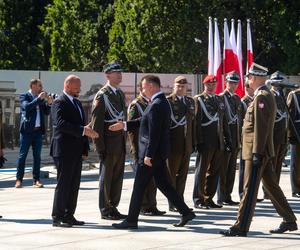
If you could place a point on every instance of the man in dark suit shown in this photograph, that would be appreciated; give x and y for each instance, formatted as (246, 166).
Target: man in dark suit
(1, 140)
(154, 147)
(68, 147)
(135, 111)
(35, 104)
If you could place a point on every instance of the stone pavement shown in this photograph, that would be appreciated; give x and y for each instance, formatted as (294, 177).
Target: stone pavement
(26, 222)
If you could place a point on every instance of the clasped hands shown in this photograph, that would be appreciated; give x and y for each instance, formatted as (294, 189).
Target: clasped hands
(89, 132)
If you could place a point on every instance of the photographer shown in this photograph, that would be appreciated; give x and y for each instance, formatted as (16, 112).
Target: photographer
(34, 105)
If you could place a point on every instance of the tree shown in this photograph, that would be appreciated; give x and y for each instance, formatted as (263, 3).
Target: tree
(158, 35)
(20, 37)
(77, 31)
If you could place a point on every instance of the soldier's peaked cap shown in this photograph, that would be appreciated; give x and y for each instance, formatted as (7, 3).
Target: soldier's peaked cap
(112, 67)
(181, 80)
(232, 76)
(278, 76)
(257, 70)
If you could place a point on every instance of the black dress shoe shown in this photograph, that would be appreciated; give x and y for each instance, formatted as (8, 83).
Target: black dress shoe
(285, 226)
(125, 225)
(152, 212)
(61, 223)
(259, 200)
(297, 195)
(230, 203)
(233, 232)
(185, 219)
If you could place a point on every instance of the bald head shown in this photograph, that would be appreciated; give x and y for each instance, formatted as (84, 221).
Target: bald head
(72, 85)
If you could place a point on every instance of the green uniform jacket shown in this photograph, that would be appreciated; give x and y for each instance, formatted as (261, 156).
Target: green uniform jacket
(235, 105)
(295, 115)
(182, 138)
(280, 127)
(258, 125)
(108, 141)
(216, 134)
(134, 112)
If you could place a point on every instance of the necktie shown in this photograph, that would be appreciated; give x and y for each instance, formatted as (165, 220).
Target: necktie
(75, 101)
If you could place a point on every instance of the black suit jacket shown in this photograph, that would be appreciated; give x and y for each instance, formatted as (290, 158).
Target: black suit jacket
(154, 137)
(29, 112)
(68, 124)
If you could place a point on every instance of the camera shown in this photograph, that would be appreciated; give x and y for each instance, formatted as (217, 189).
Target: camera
(53, 95)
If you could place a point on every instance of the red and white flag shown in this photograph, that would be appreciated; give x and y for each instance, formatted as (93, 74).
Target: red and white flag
(228, 55)
(235, 64)
(210, 48)
(240, 89)
(217, 59)
(249, 46)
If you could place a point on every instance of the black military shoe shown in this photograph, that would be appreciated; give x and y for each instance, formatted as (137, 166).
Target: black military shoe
(185, 219)
(233, 232)
(125, 225)
(118, 215)
(75, 222)
(173, 209)
(201, 206)
(230, 203)
(285, 226)
(152, 212)
(297, 195)
(109, 216)
(61, 223)
(211, 204)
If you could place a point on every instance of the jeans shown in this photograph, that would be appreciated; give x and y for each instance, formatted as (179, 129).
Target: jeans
(34, 139)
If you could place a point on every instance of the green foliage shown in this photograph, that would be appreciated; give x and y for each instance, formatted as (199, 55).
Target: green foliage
(20, 37)
(77, 31)
(158, 35)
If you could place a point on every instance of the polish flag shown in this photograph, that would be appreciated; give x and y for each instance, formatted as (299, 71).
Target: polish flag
(249, 46)
(240, 89)
(228, 55)
(210, 48)
(217, 59)
(235, 64)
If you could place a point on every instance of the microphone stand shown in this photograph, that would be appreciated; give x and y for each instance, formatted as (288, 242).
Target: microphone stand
(287, 109)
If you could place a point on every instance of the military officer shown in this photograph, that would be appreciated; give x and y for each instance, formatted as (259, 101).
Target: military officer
(108, 108)
(280, 127)
(293, 102)
(212, 137)
(258, 148)
(181, 135)
(135, 111)
(233, 113)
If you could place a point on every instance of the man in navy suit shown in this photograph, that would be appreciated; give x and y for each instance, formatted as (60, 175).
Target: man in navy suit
(154, 147)
(68, 147)
(34, 104)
